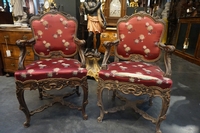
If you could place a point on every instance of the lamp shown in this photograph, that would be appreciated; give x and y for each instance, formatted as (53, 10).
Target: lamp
(82, 0)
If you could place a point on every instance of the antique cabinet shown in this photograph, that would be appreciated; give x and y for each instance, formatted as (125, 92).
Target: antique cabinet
(1, 65)
(8, 38)
(110, 34)
(113, 10)
(188, 39)
(180, 9)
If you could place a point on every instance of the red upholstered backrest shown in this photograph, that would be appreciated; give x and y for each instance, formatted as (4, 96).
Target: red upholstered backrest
(141, 35)
(54, 32)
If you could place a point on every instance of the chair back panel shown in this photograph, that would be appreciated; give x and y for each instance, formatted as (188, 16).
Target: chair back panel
(139, 35)
(54, 32)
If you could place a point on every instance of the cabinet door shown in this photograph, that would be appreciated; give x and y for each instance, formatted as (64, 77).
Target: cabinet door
(188, 33)
(188, 39)
(198, 48)
(181, 35)
(193, 38)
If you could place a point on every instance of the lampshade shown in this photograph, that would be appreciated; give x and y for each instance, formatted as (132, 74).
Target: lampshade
(82, 0)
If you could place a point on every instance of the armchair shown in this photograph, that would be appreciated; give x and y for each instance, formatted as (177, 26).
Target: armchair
(57, 67)
(134, 70)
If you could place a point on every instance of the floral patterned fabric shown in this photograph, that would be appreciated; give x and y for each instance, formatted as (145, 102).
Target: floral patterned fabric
(139, 35)
(51, 68)
(54, 32)
(136, 72)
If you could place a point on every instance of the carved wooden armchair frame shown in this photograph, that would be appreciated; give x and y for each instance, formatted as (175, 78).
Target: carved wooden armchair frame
(56, 50)
(132, 72)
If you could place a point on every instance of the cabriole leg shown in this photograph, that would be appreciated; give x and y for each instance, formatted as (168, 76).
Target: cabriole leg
(100, 102)
(40, 93)
(114, 94)
(23, 106)
(162, 116)
(77, 91)
(85, 99)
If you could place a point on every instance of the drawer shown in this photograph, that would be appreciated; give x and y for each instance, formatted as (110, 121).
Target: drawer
(107, 36)
(12, 37)
(11, 65)
(15, 52)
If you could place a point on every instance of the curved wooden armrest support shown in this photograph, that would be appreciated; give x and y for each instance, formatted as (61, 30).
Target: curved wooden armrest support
(108, 45)
(168, 49)
(81, 45)
(22, 46)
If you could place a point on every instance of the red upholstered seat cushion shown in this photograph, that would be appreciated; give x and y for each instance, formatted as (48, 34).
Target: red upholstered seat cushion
(136, 72)
(51, 68)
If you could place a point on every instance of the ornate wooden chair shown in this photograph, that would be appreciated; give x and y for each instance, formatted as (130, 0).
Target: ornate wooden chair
(134, 70)
(56, 49)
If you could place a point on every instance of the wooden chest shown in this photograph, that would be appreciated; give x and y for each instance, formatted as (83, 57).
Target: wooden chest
(8, 38)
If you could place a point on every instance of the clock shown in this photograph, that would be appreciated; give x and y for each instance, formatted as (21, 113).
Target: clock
(113, 10)
(46, 4)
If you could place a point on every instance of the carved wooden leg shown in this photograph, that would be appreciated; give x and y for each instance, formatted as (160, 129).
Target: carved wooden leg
(100, 102)
(23, 106)
(85, 98)
(150, 101)
(40, 93)
(77, 91)
(114, 94)
(162, 116)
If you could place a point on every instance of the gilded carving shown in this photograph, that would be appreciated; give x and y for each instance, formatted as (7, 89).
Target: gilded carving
(137, 90)
(47, 85)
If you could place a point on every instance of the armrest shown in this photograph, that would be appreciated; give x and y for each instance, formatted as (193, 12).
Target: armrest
(108, 45)
(168, 51)
(22, 46)
(81, 45)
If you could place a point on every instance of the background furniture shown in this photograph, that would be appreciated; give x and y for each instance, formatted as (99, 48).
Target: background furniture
(110, 34)
(183, 23)
(134, 71)
(188, 39)
(7, 18)
(56, 49)
(113, 10)
(8, 38)
(1, 65)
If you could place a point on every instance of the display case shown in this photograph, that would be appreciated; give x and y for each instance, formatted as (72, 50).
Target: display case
(188, 39)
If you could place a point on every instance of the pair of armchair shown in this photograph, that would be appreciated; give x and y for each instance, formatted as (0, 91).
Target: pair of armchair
(55, 45)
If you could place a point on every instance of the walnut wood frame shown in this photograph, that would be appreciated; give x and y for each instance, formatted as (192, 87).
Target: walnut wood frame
(45, 85)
